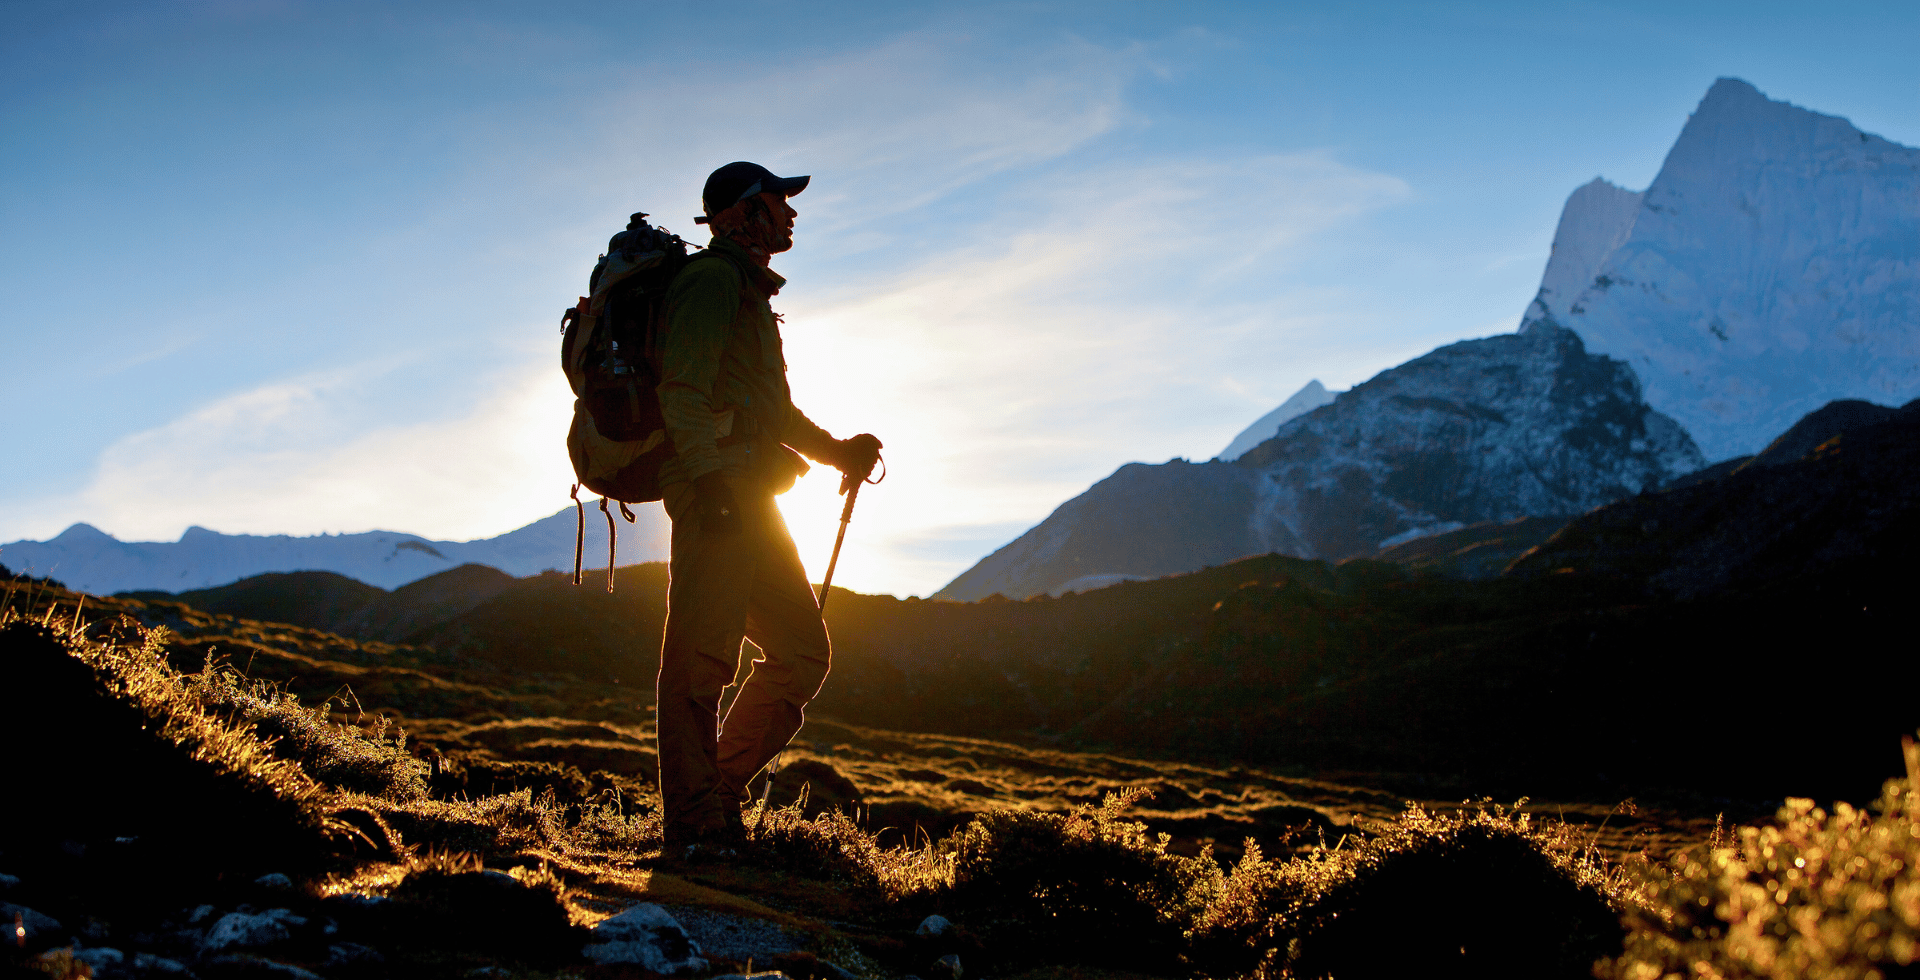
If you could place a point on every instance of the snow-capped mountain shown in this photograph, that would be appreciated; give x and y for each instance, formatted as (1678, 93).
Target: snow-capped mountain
(1303, 401)
(1771, 267)
(1482, 430)
(91, 560)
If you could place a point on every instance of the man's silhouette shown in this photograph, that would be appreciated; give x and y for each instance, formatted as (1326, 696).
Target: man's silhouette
(734, 568)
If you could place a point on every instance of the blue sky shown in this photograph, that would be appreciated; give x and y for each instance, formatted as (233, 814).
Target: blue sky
(296, 267)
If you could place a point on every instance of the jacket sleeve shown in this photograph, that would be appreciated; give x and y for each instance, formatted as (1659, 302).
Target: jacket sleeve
(700, 309)
(807, 437)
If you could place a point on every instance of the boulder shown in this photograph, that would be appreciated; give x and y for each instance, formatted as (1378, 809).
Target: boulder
(646, 936)
(933, 926)
(100, 959)
(241, 930)
(945, 968)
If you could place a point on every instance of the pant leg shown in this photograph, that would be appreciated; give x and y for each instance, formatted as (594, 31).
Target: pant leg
(783, 620)
(710, 581)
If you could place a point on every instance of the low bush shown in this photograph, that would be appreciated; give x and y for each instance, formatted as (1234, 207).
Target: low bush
(1087, 884)
(357, 760)
(1827, 895)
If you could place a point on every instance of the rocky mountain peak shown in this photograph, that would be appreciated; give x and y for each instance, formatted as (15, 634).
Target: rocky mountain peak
(1772, 266)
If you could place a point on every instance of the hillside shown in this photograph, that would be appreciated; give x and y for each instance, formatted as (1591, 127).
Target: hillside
(508, 818)
(1364, 667)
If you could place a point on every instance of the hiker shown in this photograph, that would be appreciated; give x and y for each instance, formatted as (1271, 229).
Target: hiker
(734, 570)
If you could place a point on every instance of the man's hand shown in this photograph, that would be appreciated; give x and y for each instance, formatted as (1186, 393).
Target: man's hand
(719, 512)
(855, 458)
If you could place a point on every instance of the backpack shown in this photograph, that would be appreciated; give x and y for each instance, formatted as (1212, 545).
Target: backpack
(610, 351)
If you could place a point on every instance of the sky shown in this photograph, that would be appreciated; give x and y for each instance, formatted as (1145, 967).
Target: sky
(297, 267)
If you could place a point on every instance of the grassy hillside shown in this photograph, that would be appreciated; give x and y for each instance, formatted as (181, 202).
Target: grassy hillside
(1054, 861)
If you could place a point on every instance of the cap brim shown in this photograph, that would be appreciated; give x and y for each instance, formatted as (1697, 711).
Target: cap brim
(786, 185)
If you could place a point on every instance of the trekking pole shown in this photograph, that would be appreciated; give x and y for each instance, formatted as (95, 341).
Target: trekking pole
(851, 484)
(846, 514)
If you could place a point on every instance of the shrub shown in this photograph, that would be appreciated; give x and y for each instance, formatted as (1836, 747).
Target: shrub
(1825, 895)
(343, 757)
(1088, 884)
(1483, 893)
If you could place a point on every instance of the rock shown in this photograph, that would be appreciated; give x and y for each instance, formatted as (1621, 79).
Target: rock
(353, 954)
(148, 964)
(647, 936)
(933, 925)
(201, 914)
(355, 900)
(274, 882)
(100, 958)
(236, 967)
(239, 930)
(8, 882)
(39, 930)
(946, 967)
(733, 937)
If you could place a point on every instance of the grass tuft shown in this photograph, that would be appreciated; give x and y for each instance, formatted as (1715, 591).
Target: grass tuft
(1833, 895)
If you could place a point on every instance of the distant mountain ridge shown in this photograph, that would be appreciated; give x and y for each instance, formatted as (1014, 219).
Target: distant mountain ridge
(1771, 268)
(1483, 430)
(90, 560)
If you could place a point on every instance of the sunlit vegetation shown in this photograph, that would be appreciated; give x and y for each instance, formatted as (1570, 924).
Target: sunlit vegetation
(255, 747)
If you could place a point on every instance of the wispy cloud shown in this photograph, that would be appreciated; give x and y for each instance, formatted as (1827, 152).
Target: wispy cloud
(297, 457)
(1071, 314)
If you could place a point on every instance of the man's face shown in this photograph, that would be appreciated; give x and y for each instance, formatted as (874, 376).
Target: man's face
(780, 215)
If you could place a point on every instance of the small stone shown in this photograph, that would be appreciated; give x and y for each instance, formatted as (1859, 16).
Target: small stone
(359, 901)
(933, 925)
(201, 914)
(945, 967)
(353, 954)
(275, 882)
(100, 958)
(238, 930)
(151, 964)
(647, 936)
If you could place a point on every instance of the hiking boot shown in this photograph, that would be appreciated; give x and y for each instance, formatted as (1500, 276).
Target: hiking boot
(727, 836)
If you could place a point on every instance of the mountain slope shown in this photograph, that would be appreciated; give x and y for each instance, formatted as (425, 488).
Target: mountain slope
(90, 560)
(1483, 430)
(1852, 497)
(1308, 398)
(1772, 266)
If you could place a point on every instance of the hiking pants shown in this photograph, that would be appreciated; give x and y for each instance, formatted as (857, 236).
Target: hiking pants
(749, 584)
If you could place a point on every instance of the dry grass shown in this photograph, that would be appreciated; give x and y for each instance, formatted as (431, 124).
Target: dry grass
(1042, 856)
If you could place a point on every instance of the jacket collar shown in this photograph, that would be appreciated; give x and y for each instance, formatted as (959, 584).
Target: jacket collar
(764, 279)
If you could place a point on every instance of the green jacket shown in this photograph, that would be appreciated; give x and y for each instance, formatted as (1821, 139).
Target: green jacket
(721, 360)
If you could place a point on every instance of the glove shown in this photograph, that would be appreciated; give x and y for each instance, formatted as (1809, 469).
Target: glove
(855, 458)
(713, 499)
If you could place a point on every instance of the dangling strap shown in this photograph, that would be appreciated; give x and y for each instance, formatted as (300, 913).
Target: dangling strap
(579, 531)
(626, 511)
(611, 535)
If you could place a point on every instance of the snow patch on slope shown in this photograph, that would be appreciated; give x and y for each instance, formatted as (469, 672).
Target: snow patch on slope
(1303, 401)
